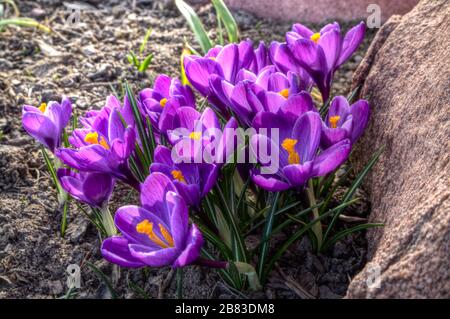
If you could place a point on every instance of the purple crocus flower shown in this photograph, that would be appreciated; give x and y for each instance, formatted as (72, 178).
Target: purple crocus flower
(47, 122)
(227, 63)
(104, 147)
(320, 54)
(93, 189)
(162, 101)
(296, 151)
(157, 233)
(192, 180)
(344, 121)
(269, 91)
(199, 137)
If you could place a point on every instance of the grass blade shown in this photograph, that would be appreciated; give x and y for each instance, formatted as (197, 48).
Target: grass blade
(25, 22)
(347, 232)
(266, 235)
(351, 191)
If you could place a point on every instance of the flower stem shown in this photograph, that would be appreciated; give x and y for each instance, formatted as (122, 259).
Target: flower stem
(179, 283)
(317, 227)
(107, 221)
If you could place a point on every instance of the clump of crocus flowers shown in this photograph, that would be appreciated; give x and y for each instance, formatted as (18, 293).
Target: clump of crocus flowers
(197, 201)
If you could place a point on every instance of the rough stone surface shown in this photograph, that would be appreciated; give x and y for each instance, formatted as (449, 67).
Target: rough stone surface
(406, 78)
(318, 11)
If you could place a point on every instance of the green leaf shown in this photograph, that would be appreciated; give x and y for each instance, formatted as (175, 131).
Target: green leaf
(351, 191)
(195, 24)
(132, 59)
(249, 271)
(240, 252)
(64, 218)
(145, 64)
(227, 19)
(347, 232)
(144, 42)
(140, 126)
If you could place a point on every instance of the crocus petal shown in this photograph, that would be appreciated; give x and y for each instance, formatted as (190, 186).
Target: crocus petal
(115, 250)
(186, 117)
(351, 42)
(360, 114)
(246, 54)
(330, 42)
(66, 111)
(161, 87)
(198, 72)
(97, 187)
(240, 102)
(116, 128)
(42, 129)
(228, 58)
(189, 192)
(209, 119)
(163, 155)
(339, 107)
(282, 58)
(296, 106)
(303, 31)
(272, 101)
(331, 158)
(228, 142)
(71, 182)
(167, 117)
(208, 175)
(153, 192)
(192, 250)
(307, 131)
(331, 136)
(154, 258)
(128, 217)
(179, 220)
(269, 182)
(88, 158)
(298, 174)
(222, 89)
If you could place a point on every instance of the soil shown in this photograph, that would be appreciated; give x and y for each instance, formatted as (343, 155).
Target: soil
(86, 61)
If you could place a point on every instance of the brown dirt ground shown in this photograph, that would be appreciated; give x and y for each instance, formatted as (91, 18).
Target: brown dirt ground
(83, 62)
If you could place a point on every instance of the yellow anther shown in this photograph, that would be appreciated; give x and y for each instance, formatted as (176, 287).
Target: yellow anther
(42, 107)
(212, 58)
(92, 138)
(284, 93)
(289, 145)
(178, 175)
(315, 37)
(167, 236)
(146, 227)
(163, 102)
(195, 135)
(334, 120)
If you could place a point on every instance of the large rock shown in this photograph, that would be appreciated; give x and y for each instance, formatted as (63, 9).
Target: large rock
(320, 10)
(406, 78)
